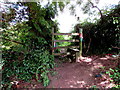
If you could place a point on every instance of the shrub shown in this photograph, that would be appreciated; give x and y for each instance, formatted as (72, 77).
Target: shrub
(24, 66)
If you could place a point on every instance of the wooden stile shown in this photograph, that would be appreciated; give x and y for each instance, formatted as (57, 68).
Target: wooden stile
(65, 47)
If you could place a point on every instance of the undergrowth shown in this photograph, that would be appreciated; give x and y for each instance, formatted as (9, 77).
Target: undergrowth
(34, 64)
(115, 75)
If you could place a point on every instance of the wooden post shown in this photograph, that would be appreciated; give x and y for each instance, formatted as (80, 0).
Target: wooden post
(81, 39)
(52, 41)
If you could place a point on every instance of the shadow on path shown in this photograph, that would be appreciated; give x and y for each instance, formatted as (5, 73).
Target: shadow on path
(83, 74)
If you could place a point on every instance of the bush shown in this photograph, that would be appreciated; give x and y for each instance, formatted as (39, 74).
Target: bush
(25, 66)
(115, 75)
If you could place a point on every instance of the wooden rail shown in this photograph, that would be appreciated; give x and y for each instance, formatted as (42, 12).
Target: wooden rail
(57, 54)
(66, 40)
(75, 34)
(65, 47)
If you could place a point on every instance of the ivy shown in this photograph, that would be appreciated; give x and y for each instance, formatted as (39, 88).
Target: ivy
(34, 63)
(26, 46)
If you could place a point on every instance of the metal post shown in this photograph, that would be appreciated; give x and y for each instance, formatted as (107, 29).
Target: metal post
(81, 39)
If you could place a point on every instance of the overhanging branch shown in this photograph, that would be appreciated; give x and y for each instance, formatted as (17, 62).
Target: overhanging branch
(13, 41)
(93, 6)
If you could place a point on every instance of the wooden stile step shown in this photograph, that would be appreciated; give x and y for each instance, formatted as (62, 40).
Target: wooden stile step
(58, 54)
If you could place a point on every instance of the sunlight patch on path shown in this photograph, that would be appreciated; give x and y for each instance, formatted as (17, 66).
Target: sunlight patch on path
(96, 66)
(84, 59)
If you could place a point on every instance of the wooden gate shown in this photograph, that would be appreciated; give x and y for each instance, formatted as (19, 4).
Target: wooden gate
(69, 34)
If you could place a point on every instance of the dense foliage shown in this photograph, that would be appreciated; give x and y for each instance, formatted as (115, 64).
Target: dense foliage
(26, 45)
(103, 36)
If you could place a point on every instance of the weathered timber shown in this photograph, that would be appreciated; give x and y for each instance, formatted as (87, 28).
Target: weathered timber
(65, 47)
(75, 34)
(66, 40)
(58, 54)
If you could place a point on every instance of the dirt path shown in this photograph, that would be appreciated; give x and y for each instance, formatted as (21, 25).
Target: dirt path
(82, 74)
(73, 75)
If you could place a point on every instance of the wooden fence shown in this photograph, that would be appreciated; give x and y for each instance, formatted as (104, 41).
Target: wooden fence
(65, 47)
